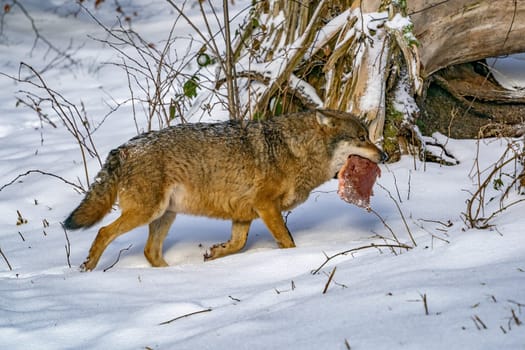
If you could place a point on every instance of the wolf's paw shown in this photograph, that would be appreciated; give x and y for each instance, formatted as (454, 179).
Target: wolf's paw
(286, 245)
(86, 266)
(207, 256)
(216, 251)
(210, 255)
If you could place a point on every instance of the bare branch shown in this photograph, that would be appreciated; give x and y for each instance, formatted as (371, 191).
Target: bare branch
(478, 323)
(386, 225)
(118, 257)
(61, 54)
(5, 259)
(233, 91)
(67, 246)
(329, 280)
(328, 258)
(475, 210)
(77, 187)
(183, 316)
(400, 213)
(425, 303)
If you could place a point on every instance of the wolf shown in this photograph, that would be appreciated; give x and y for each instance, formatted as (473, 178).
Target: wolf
(234, 170)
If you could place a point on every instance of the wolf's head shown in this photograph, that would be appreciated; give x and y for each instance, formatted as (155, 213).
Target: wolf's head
(347, 136)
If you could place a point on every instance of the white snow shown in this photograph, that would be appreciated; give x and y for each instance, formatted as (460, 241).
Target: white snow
(306, 90)
(398, 22)
(473, 281)
(374, 46)
(509, 71)
(403, 100)
(327, 33)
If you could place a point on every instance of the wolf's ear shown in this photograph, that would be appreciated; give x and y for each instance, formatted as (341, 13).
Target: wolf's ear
(325, 120)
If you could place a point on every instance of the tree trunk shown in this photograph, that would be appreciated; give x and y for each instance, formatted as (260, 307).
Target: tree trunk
(459, 31)
(369, 57)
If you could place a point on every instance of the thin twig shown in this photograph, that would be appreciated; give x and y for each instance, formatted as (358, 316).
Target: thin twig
(519, 305)
(39, 36)
(328, 258)
(386, 225)
(68, 113)
(395, 185)
(478, 322)
(186, 315)
(515, 318)
(67, 246)
(5, 259)
(118, 257)
(475, 210)
(234, 299)
(329, 280)
(79, 188)
(409, 183)
(433, 235)
(425, 304)
(446, 224)
(20, 220)
(158, 78)
(511, 24)
(292, 288)
(401, 213)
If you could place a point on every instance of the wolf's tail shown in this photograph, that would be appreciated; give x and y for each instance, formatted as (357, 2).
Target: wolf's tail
(100, 196)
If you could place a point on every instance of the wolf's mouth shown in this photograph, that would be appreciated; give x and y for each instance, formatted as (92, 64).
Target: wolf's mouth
(356, 179)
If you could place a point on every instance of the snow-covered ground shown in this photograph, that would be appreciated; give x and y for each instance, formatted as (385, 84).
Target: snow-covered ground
(472, 282)
(509, 70)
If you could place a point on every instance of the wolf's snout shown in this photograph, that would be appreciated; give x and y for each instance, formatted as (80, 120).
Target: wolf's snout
(384, 157)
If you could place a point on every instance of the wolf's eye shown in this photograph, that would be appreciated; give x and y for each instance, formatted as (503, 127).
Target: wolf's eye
(362, 138)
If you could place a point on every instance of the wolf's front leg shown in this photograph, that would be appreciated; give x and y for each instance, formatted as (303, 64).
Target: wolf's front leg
(236, 242)
(272, 218)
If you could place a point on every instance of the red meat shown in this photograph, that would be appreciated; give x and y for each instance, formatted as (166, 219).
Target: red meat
(356, 179)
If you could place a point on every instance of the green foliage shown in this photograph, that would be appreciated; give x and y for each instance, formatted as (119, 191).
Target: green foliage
(498, 184)
(402, 4)
(408, 35)
(203, 59)
(420, 123)
(190, 87)
(258, 116)
(255, 23)
(276, 106)
(172, 109)
(393, 120)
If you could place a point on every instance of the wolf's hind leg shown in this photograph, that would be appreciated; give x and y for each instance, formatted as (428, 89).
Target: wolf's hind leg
(127, 221)
(236, 242)
(273, 219)
(158, 230)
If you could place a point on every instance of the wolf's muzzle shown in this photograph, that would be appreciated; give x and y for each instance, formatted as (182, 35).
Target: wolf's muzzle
(384, 157)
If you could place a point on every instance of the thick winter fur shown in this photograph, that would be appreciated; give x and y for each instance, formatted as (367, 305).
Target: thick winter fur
(233, 170)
